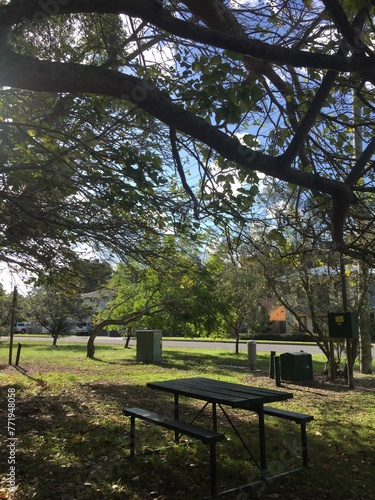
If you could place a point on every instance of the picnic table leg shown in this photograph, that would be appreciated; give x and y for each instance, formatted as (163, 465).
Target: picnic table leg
(132, 435)
(213, 469)
(214, 417)
(304, 445)
(262, 444)
(176, 416)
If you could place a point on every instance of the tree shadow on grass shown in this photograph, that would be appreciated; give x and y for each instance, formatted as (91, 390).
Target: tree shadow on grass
(75, 348)
(40, 382)
(185, 361)
(61, 452)
(72, 443)
(124, 362)
(193, 361)
(319, 384)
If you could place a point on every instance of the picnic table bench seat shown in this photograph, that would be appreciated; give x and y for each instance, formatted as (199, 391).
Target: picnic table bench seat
(299, 418)
(207, 436)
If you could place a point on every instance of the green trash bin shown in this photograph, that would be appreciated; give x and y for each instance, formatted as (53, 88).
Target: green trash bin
(296, 366)
(149, 346)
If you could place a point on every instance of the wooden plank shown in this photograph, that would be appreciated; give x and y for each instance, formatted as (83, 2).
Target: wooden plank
(211, 396)
(288, 415)
(235, 395)
(205, 435)
(243, 389)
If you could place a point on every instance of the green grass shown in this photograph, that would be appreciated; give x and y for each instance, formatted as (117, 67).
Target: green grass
(72, 439)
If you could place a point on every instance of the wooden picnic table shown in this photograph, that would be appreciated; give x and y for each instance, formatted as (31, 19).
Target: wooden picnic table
(221, 393)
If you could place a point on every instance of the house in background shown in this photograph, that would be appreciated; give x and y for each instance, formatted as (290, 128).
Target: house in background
(98, 301)
(282, 321)
(99, 298)
(276, 315)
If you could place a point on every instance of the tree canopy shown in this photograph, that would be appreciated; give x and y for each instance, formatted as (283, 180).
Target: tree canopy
(56, 311)
(105, 104)
(181, 291)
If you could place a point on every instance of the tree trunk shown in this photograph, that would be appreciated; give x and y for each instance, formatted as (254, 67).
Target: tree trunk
(90, 352)
(55, 337)
(90, 344)
(128, 318)
(128, 335)
(237, 342)
(365, 355)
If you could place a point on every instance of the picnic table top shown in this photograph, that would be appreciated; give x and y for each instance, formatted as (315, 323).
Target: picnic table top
(222, 392)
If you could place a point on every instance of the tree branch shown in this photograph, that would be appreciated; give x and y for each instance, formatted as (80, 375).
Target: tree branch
(44, 76)
(152, 12)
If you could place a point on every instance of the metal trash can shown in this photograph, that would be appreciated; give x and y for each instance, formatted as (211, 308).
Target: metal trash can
(296, 366)
(149, 346)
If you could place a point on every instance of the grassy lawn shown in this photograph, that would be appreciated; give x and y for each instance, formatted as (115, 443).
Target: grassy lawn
(72, 440)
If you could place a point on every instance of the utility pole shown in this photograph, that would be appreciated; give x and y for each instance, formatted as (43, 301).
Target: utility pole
(13, 311)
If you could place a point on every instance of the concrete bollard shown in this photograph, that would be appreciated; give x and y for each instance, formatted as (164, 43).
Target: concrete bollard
(252, 354)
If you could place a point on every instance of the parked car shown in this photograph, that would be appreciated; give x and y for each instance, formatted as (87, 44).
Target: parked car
(22, 327)
(83, 328)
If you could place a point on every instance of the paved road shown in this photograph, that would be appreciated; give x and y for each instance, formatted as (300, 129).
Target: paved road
(261, 347)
